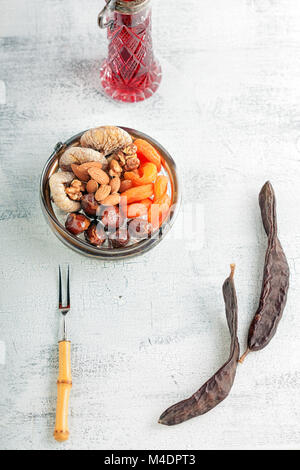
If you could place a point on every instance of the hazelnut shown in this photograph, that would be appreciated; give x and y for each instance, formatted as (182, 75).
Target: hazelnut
(95, 234)
(110, 217)
(92, 186)
(77, 223)
(119, 238)
(139, 228)
(89, 205)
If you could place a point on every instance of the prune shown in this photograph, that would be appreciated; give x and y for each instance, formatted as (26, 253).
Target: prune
(119, 238)
(110, 217)
(95, 234)
(77, 223)
(89, 205)
(139, 228)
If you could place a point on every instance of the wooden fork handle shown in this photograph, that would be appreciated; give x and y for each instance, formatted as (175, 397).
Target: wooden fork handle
(64, 385)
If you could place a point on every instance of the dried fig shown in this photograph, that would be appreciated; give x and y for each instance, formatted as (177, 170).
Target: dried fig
(106, 139)
(78, 155)
(57, 183)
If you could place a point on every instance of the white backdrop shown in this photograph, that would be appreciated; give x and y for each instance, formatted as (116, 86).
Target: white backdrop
(148, 332)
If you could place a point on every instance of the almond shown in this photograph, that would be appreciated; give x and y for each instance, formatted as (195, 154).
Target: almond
(111, 200)
(98, 175)
(103, 192)
(115, 184)
(88, 165)
(113, 174)
(81, 171)
(115, 167)
(92, 186)
(82, 175)
(125, 184)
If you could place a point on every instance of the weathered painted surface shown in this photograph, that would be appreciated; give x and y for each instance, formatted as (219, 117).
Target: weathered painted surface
(150, 331)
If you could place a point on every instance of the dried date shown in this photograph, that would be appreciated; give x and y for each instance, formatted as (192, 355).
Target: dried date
(95, 234)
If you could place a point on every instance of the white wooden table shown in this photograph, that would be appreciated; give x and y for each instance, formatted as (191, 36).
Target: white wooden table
(148, 332)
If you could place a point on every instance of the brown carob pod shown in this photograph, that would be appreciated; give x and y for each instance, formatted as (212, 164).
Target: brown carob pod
(275, 279)
(217, 388)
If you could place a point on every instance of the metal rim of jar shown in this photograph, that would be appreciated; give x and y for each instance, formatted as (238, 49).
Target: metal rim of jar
(126, 8)
(129, 7)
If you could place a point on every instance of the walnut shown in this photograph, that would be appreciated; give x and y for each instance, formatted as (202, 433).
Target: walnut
(130, 149)
(75, 191)
(132, 163)
(120, 157)
(123, 155)
(78, 185)
(124, 161)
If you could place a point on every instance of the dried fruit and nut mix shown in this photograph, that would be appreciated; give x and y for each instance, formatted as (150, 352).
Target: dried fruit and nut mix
(111, 188)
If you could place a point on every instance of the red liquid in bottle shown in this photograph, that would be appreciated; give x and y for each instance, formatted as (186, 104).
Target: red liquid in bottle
(130, 73)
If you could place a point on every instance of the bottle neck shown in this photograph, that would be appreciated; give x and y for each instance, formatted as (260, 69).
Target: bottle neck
(140, 19)
(129, 6)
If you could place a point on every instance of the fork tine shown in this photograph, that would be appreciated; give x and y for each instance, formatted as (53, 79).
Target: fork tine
(60, 289)
(68, 287)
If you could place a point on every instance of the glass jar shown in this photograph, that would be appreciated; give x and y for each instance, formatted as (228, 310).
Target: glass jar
(130, 73)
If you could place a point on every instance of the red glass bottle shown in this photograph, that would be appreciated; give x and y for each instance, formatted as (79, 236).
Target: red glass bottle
(130, 73)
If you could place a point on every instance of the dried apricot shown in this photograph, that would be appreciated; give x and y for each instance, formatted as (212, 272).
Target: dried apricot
(147, 202)
(148, 174)
(146, 150)
(137, 209)
(160, 186)
(158, 211)
(138, 193)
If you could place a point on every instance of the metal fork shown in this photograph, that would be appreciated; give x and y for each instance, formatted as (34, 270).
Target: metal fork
(64, 310)
(64, 382)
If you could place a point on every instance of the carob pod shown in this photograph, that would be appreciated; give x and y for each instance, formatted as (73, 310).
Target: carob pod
(275, 279)
(217, 388)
